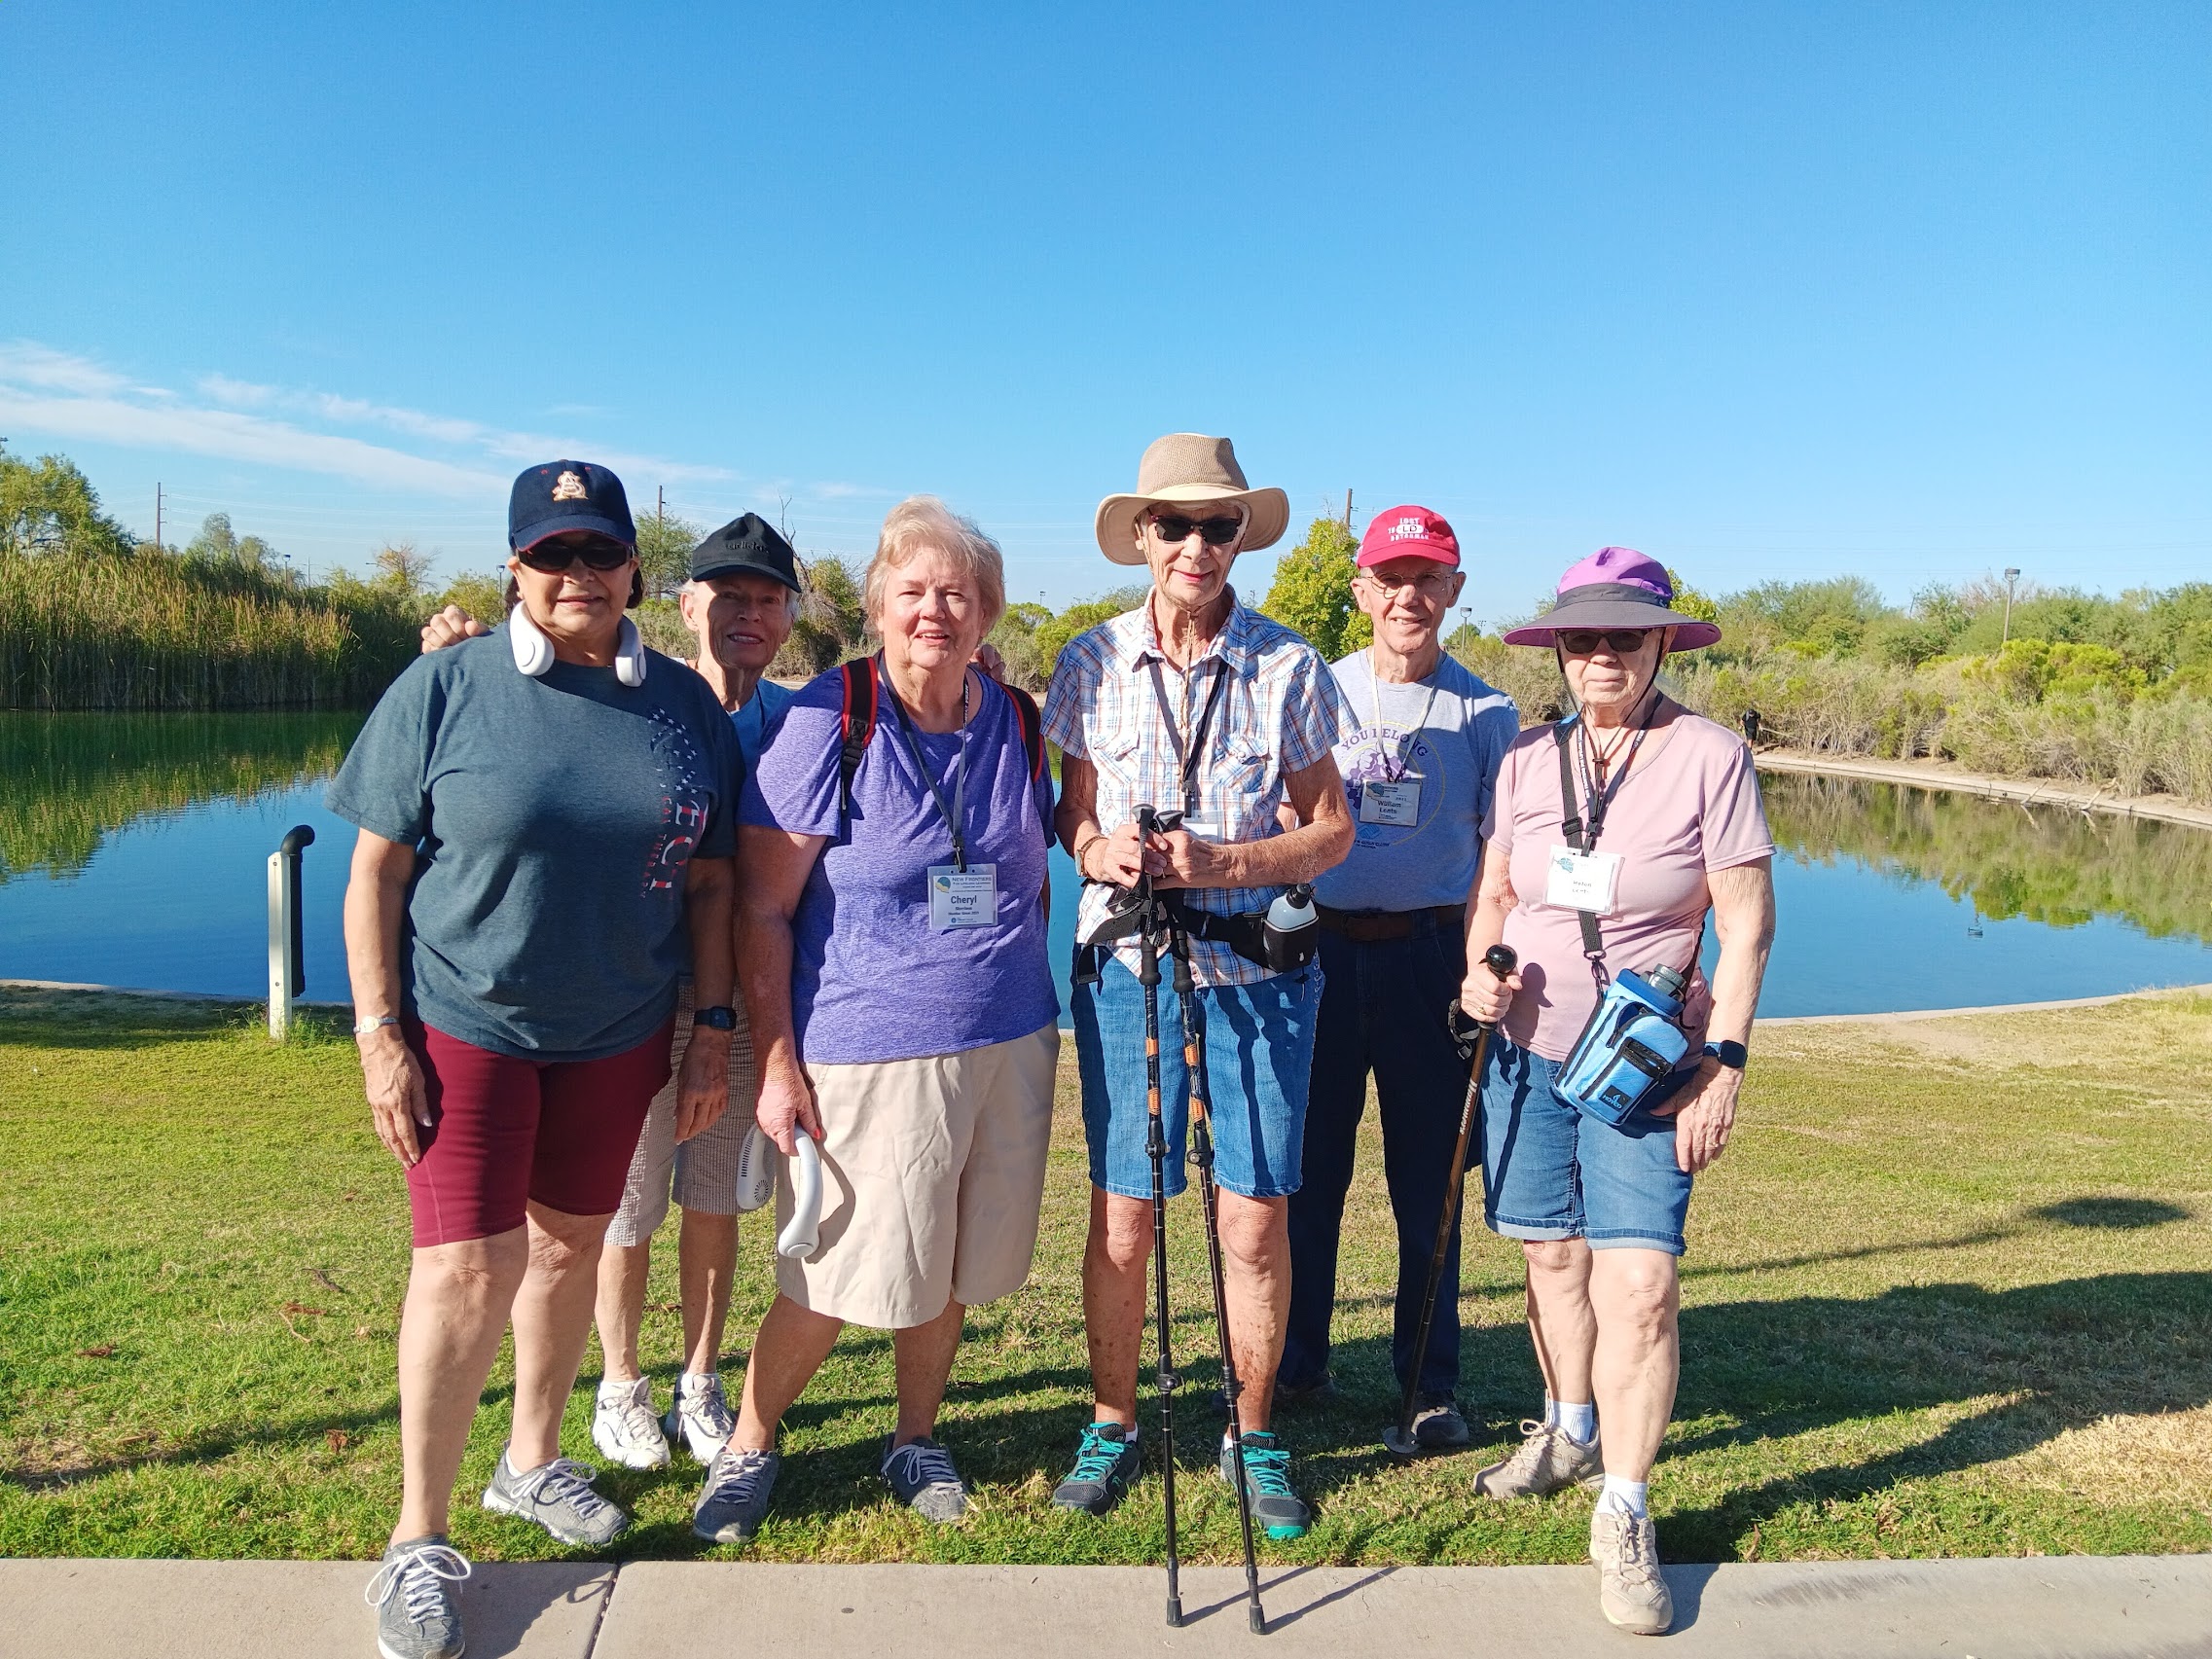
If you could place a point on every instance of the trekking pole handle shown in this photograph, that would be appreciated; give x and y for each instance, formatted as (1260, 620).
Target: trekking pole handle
(1499, 959)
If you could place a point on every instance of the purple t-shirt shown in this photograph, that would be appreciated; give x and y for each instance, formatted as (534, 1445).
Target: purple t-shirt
(871, 979)
(1689, 806)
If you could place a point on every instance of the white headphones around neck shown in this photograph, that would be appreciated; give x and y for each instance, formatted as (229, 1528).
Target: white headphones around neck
(533, 651)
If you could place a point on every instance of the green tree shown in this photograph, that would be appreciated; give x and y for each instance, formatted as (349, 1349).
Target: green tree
(833, 621)
(1312, 591)
(49, 506)
(402, 568)
(663, 553)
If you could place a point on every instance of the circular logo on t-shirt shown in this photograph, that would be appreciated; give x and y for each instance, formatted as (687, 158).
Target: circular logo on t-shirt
(1386, 754)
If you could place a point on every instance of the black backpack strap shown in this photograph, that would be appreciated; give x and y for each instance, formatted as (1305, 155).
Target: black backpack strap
(856, 725)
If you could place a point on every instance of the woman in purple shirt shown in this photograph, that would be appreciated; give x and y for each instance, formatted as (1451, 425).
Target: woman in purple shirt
(895, 969)
(1611, 837)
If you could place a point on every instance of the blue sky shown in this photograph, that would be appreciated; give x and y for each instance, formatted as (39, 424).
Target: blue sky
(1914, 289)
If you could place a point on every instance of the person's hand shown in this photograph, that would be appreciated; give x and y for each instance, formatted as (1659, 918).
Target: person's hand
(703, 1085)
(393, 1078)
(1181, 859)
(987, 659)
(787, 1099)
(1704, 1112)
(450, 626)
(1115, 859)
(1484, 995)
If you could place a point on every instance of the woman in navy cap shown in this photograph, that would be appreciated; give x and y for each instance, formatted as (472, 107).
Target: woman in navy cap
(545, 847)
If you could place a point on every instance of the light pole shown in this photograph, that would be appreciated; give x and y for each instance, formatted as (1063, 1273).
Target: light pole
(2012, 575)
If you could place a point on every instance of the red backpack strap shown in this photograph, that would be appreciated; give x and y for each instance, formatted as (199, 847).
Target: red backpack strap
(1033, 728)
(856, 723)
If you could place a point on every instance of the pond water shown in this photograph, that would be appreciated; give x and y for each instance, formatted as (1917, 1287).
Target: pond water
(133, 850)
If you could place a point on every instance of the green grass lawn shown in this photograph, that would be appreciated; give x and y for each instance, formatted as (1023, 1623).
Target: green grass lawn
(1950, 1293)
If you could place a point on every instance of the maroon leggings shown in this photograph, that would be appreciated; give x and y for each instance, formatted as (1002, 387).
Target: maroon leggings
(506, 1132)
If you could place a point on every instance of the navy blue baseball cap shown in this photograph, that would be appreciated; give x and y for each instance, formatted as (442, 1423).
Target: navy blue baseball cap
(747, 544)
(567, 495)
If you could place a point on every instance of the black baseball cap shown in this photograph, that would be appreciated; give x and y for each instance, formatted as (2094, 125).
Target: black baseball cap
(747, 543)
(567, 495)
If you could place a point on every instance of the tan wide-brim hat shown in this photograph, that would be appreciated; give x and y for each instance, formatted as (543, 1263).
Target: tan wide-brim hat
(1186, 467)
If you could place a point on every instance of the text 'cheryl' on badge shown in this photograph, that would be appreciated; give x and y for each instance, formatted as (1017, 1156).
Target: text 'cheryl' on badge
(1582, 880)
(962, 899)
(1391, 801)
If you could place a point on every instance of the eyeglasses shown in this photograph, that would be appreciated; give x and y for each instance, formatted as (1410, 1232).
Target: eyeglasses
(1581, 641)
(1174, 528)
(1429, 582)
(553, 556)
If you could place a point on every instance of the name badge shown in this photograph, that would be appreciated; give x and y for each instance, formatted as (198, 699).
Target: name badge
(962, 899)
(1386, 802)
(1582, 880)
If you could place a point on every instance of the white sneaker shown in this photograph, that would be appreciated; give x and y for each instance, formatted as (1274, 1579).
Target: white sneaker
(699, 1416)
(624, 1427)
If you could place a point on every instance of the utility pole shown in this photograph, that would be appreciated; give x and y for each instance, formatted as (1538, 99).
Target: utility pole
(661, 505)
(2012, 575)
(1348, 512)
(157, 516)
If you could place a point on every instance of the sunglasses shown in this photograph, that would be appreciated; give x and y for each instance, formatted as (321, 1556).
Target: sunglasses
(552, 556)
(1218, 532)
(1581, 641)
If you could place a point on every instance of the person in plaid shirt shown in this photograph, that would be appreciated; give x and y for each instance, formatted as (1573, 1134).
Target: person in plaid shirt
(1192, 702)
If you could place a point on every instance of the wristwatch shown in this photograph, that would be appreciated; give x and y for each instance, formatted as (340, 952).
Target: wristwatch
(373, 1023)
(1731, 1055)
(722, 1019)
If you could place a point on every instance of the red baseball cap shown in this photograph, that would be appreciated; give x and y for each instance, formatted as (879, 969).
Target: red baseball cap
(1408, 532)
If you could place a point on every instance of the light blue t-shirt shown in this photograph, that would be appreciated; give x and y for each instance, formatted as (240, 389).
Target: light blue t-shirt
(1451, 751)
(756, 718)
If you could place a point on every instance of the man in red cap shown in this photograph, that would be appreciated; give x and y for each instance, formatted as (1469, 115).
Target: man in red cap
(1418, 768)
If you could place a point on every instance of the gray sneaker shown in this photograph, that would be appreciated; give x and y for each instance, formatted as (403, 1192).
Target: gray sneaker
(1631, 1594)
(922, 1474)
(413, 1595)
(1438, 1426)
(735, 1496)
(1546, 1461)
(559, 1497)
(1275, 1506)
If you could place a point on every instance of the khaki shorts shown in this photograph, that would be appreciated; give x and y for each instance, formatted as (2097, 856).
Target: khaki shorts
(933, 1177)
(703, 1170)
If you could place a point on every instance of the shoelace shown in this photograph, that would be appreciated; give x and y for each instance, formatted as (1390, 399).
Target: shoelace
(567, 1481)
(417, 1576)
(710, 1405)
(1096, 1458)
(1536, 1441)
(1635, 1566)
(736, 1468)
(1268, 1468)
(923, 1465)
(639, 1422)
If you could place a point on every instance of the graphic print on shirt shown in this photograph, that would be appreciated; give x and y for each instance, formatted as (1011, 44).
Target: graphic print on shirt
(687, 797)
(1374, 754)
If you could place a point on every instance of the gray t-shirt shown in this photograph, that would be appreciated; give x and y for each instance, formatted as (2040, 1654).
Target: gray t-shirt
(1445, 762)
(552, 819)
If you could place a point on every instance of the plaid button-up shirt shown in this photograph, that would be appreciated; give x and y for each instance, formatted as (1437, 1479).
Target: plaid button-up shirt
(1280, 712)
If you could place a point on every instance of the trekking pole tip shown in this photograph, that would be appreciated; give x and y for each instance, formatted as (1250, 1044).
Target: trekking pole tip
(1175, 1612)
(1257, 1620)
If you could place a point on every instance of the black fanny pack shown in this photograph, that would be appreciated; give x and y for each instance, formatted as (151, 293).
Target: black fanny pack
(1266, 938)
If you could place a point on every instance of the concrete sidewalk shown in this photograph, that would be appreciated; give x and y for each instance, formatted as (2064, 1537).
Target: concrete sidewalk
(2041, 1607)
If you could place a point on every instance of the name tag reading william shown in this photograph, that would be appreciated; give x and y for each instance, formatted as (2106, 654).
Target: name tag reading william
(1582, 880)
(1385, 801)
(962, 899)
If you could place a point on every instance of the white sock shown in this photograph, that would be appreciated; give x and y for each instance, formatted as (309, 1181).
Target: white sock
(694, 1382)
(1578, 1421)
(1550, 1410)
(1129, 1434)
(617, 1388)
(1625, 1497)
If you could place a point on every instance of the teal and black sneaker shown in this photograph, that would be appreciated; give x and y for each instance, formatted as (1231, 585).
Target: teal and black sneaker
(1106, 1463)
(1267, 1479)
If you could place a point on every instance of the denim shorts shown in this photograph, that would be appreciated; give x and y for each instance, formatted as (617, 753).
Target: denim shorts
(1260, 1050)
(1549, 1171)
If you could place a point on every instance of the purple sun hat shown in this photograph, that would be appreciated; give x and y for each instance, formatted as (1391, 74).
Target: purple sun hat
(1617, 587)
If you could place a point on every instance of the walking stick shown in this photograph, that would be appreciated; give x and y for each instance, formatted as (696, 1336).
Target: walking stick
(1202, 1155)
(1156, 1147)
(1472, 1040)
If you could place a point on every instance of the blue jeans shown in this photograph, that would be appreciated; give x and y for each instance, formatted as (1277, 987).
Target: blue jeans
(1259, 1046)
(1550, 1172)
(1383, 1011)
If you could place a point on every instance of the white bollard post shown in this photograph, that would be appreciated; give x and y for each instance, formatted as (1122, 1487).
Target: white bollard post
(287, 972)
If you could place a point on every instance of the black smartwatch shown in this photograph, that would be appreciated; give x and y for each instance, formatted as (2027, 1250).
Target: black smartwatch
(1731, 1055)
(715, 1019)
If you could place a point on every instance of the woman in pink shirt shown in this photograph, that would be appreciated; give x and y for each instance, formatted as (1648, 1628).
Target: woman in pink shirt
(1612, 835)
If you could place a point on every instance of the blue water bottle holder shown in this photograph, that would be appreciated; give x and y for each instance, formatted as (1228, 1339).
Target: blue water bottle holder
(1633, 1039)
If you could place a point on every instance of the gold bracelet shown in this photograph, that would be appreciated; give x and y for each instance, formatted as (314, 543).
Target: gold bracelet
(1097, 835)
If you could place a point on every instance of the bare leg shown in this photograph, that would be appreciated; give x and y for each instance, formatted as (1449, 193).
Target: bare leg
(457, 1300)
(924, 1355)
(1636, 1296)
(621, 1306)
(706, 1260)
(1114, 1293)
(553, 1323)
(793, 1344)
(1256, 1261)
(1561, 1324)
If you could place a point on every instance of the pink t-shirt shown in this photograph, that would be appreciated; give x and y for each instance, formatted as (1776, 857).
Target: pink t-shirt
(1689, 806)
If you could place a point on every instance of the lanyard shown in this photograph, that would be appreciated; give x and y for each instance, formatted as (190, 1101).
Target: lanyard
(1581, 835)
(957, 812)
(1391, 773)
(1188, 754)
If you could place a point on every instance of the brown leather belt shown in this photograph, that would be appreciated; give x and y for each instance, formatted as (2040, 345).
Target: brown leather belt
(1372, 926)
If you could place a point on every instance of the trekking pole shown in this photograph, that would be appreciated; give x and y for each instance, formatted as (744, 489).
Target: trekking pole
(1202, 1155)
(1156, 1147)
(1472, 1040)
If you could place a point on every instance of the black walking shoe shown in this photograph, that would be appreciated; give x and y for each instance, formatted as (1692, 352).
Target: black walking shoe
(1106, 1463)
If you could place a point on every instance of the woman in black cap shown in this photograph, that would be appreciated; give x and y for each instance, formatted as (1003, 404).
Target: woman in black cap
(545, 847)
